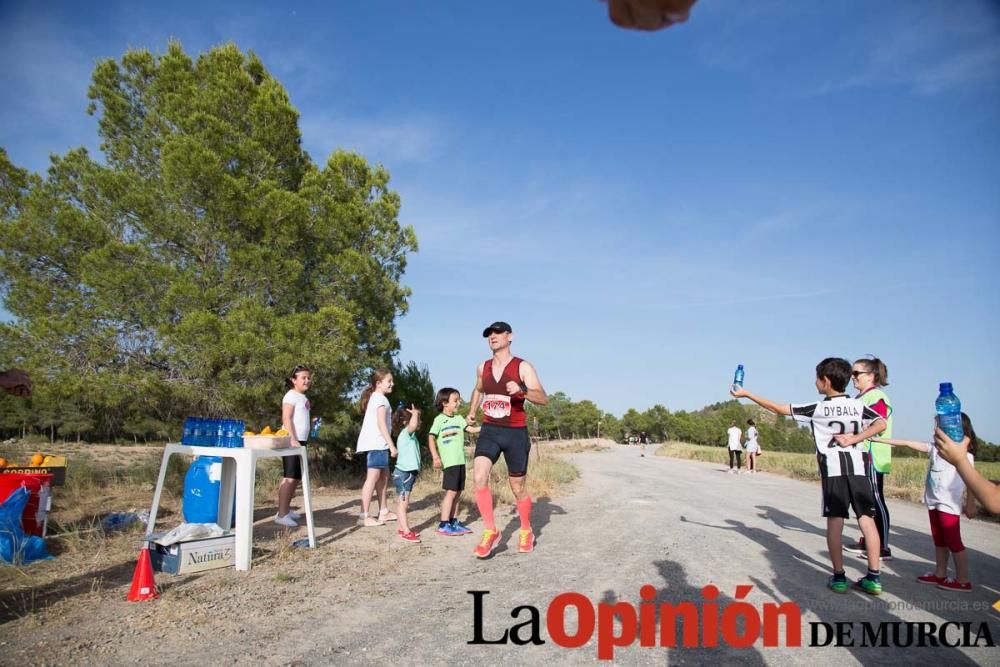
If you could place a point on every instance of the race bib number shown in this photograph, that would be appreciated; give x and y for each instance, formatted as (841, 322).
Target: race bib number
(496, 406)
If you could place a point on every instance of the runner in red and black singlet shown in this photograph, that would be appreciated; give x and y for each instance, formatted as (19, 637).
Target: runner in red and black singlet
(499, 407)
(503, 383)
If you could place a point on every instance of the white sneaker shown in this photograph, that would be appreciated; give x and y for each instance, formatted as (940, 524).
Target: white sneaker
(732, 472)
(295, 515)
(286, 520)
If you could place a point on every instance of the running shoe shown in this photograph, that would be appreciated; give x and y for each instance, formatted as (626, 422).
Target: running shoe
(459, 527)
(486, 545)
(448, 530)
(870, 586)
(286, 521)
(885, 554)
(409, 537)
(954, 585)
(837, 584)
(525, 541)
(931, 578)
(858, 548)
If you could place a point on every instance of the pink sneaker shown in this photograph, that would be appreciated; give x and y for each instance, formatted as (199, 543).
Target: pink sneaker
(486, 545)
(409, 537)
(953, 585)
(525, 541)
(931, 578)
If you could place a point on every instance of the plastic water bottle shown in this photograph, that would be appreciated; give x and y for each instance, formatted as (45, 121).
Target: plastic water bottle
(738, 376)
(314, 433)
(197, 431)
(949, 412)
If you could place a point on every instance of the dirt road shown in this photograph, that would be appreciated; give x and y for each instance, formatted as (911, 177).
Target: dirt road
(676, 525)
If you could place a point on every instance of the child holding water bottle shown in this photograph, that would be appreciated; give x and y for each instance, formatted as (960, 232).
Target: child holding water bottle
(943, 496)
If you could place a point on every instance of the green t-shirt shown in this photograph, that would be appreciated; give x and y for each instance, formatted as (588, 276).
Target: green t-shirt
(408, 451)
(449, 434)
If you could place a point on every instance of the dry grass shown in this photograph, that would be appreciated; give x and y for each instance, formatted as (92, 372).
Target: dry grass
(105, 478)
(905, 481)
(572, 446)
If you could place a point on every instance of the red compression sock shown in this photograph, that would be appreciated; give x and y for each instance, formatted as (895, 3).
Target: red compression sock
(484, 501)
(524, 511)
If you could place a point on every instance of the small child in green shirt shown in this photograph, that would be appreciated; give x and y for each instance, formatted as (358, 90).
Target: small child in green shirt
(447, 444)
(405, 423)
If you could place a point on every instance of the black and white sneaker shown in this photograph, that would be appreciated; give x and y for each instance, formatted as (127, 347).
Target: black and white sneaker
(858, 548)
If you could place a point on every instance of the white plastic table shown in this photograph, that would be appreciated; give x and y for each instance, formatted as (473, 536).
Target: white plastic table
(239, 468)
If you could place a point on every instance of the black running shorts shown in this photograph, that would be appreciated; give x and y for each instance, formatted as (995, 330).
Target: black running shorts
(454, 478)
(514, 443)
(848, 491)
(292, 465)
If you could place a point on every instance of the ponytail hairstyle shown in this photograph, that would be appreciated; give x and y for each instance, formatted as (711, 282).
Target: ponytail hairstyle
(376, 377)
(289, 381)
(400, 418)
(876, 367)
(971, 432)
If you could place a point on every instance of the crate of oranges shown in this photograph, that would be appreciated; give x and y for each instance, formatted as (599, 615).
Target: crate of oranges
(38, 464)
(267, 439)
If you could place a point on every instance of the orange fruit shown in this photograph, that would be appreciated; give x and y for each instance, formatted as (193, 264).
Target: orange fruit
(36, 459)
(3, 462)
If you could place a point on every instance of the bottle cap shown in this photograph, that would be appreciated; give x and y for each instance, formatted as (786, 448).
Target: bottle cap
(945, 388)
(739, 365)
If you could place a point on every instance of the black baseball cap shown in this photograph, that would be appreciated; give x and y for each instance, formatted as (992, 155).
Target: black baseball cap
(497, 327)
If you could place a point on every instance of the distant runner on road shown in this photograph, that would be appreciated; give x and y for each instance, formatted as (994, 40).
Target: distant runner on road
(503, 383)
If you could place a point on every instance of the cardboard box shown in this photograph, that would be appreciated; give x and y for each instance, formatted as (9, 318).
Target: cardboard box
(58, 472)
(193, 556)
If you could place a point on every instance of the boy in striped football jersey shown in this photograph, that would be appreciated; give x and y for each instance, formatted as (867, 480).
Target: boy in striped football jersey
(843, 466)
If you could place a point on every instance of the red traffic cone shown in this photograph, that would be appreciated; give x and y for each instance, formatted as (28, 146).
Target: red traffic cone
(143, 583)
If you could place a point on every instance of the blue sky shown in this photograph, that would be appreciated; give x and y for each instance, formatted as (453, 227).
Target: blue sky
(769, 184)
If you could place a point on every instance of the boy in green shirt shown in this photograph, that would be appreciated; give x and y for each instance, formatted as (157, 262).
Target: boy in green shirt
(446, 441)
